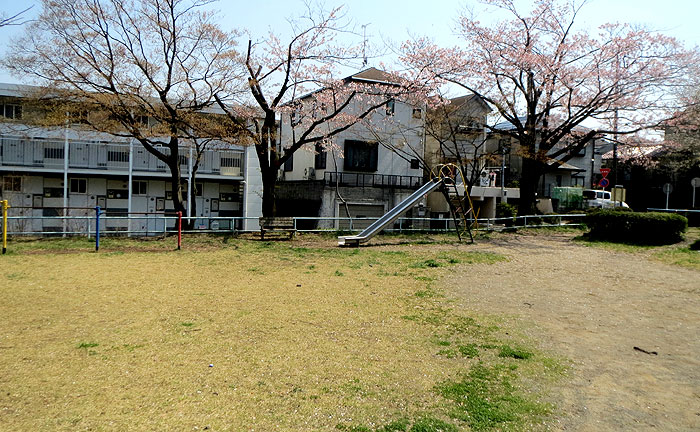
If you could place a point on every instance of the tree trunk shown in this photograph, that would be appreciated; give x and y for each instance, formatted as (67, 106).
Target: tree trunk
(176, 182)
(176, 186)
(269, 180)
(529, 180)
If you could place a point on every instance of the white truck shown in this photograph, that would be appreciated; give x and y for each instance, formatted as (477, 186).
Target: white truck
(595, 198)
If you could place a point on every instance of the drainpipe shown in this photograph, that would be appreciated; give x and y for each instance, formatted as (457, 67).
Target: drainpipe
(130, 189)
(189, 184)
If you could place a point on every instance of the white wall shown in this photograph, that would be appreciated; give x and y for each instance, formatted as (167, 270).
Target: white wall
(400, 130)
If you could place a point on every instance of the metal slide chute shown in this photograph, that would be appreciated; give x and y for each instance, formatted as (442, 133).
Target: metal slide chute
(443, 175)
(391, 216)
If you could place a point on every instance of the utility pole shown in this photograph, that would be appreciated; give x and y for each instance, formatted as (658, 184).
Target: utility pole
(364, 44)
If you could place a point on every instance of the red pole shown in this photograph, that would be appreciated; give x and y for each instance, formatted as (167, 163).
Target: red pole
(179, 230)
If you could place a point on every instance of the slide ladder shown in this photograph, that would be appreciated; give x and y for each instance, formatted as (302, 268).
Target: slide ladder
(461, 207)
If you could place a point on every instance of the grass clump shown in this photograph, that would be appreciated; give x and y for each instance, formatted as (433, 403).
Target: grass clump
(431, 424)
(486, 398)
(516, 353)
(395, 426)
(422, 424)
(86, 345)
(469, 350)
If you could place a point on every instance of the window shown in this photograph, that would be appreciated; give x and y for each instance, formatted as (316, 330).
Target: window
(10, 111)
(470, 126)
(117, 193)
(415, 164)
(78, 186)
(53, 152)
(361, 156)
(390, 106)
(53, 192)
(141, 120)
(117, 156)
(139, 187)
(417, 113)
(12, 184)
(320, 157)
(80, 117)
(289, 163)
(228, 196)
(51, 212)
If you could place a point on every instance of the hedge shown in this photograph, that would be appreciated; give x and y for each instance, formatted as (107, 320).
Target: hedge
(640, 228)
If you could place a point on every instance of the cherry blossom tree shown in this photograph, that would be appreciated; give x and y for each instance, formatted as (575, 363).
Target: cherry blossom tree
(456, 126)
(144, 69)
(299, 82)
(546, 78)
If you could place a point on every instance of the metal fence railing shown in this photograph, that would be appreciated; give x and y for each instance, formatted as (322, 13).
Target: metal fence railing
(164, 224)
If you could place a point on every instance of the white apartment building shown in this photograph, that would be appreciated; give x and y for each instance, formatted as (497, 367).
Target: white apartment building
(45, 170)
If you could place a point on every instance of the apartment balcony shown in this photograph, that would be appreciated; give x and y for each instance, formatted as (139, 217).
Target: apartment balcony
(45, 154)
(372, 180)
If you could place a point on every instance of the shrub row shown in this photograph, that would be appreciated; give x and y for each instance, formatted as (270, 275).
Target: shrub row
(641, 228)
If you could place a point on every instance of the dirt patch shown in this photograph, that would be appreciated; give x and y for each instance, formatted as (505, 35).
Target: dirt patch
(594, 306)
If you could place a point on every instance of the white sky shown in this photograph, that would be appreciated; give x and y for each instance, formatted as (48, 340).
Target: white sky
(395, 20)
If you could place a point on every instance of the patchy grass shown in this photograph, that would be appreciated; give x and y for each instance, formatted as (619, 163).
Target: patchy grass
(231, 334)
(486, 398)
(683, 257)
(679, 254)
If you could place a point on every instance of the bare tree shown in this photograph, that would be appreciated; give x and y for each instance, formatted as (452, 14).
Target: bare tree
(298, 83)
(12, 20)
(146, 69)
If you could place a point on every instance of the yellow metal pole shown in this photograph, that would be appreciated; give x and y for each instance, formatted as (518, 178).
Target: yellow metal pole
(5, 206)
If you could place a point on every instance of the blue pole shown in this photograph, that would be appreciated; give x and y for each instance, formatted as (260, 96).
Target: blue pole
(97, 228)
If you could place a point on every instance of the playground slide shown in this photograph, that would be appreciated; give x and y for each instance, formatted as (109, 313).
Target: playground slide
(391, 216)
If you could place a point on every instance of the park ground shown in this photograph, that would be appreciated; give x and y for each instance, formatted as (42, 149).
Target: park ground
(520, 331)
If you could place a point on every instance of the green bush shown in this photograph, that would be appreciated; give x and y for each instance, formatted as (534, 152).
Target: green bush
(640, 228)
(505, 210)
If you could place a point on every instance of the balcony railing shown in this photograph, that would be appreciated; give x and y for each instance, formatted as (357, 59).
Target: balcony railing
(49, 154)
(372, 180)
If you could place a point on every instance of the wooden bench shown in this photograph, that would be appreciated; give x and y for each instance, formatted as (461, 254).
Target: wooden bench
(285, 224)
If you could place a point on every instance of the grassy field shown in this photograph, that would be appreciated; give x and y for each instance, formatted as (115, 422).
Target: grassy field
(234, 334)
